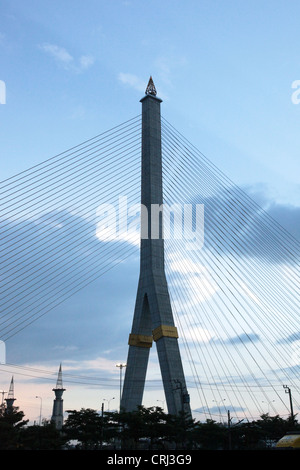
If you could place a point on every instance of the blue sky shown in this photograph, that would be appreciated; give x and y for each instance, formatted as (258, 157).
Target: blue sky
(74, 69)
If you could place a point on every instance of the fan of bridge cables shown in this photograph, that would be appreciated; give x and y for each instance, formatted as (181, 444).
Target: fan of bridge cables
(49, 244)
(234, 285)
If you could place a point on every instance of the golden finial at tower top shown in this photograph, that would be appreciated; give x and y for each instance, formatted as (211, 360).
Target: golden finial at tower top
(151, 90)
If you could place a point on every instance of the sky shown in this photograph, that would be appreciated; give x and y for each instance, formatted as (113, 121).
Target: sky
(227, 74)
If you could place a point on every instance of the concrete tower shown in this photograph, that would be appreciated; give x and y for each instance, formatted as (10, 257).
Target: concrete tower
(153, 318)
(58, 413)
(11, 396)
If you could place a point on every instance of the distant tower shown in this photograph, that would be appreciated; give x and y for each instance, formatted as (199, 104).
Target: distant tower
(153, 318)
(57, 413)
(11, 396)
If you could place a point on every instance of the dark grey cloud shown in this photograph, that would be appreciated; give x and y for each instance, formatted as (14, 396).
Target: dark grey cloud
(240, 339)
(79, 291)
(290, 338)
(236, 224)
(288, 217)
(48, 253)
(215, 410)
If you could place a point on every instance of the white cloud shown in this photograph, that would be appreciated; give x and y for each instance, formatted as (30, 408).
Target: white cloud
(195, 282)
(140, 85)
(59, 53)
(194, 332)
(133, 81)
(65, 59)
(86, 61)
(108, 235)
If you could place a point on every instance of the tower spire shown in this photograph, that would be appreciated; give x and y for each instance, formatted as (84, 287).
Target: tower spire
(57, 413)
(59, 383)
(10, 396)
(153, 318)
(151, 90)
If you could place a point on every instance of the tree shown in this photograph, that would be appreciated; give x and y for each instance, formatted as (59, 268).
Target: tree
(210, 435)
(246, 436)
(11, 423)
(150, 428)
(143, 423)
(260, 434)
(274, 427)
(179, 431)
(86, 427)
(45, 437)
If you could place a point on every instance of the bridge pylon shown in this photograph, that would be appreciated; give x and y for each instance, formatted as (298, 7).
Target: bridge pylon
(153, 318)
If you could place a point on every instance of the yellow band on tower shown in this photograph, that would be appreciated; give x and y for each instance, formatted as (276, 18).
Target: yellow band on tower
(165, 330)
(142, 341)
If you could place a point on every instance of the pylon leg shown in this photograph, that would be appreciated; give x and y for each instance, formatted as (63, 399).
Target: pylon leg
(165, 335)
(153, 320)
(140, 342)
